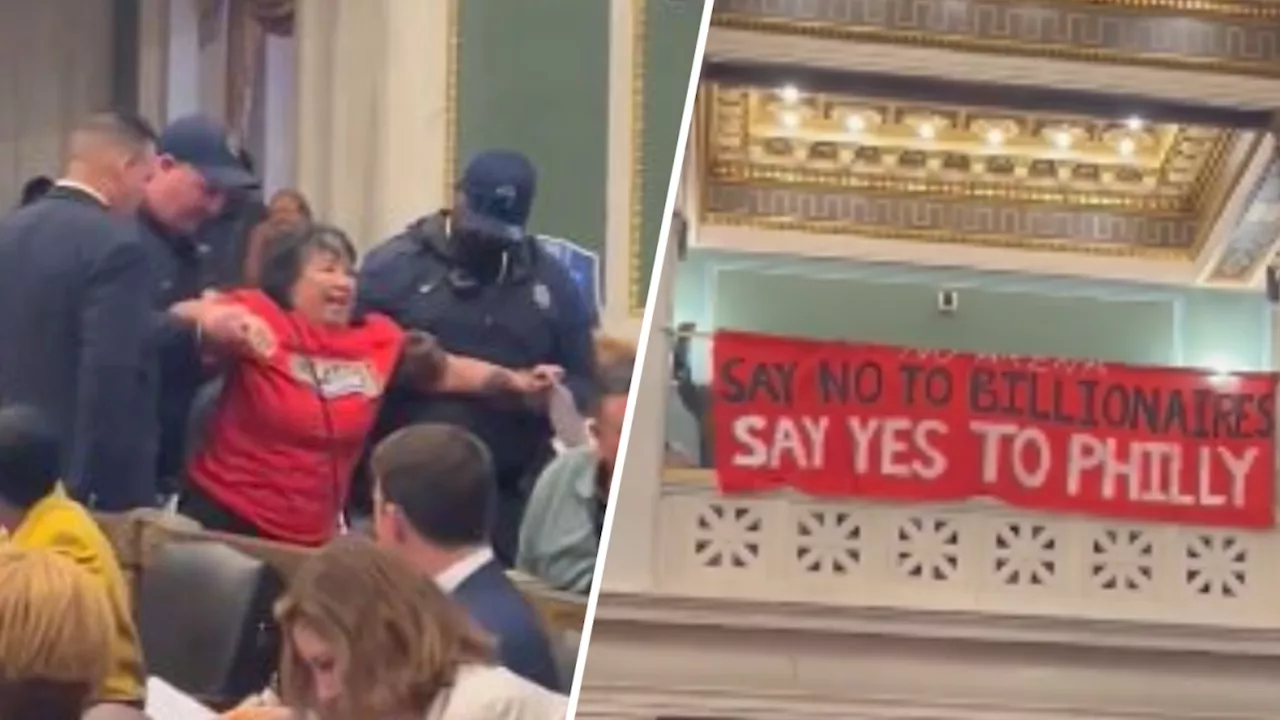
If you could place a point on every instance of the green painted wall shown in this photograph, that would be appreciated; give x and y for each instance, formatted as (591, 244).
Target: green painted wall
(670, 39)
(533, 76)
(904, 312)
(999, 312)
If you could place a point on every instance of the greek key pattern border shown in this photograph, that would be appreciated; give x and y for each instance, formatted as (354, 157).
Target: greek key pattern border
(965, 221)
(1246, 40)
(1254, 237)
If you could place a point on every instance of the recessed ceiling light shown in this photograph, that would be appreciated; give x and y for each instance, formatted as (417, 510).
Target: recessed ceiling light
(1134, 123)
(1062, 139)
(995, 137)
(855, 123)
(1127, 146)
(790, 119)
(789, 94)
(927, 131)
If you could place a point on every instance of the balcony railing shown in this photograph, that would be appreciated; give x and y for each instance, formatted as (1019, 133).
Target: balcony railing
(975, 557)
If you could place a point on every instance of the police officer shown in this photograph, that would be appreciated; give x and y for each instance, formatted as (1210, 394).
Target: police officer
(227, 235)
(474, 278)
(79, 325)
(198, 170)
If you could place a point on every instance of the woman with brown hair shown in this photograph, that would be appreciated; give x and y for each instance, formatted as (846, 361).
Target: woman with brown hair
(55, 636)
(287, 209)
(366, 638)
(287, 430)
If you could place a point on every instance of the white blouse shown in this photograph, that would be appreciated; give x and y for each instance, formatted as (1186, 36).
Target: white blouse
(492, 692)
(482, 692)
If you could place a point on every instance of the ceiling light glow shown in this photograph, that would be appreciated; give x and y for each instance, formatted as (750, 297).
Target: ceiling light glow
(995, 137)
(790, 94)
(790, 119)
(1127, 146)
(927, 131)
(855, 123)
(1134, 123)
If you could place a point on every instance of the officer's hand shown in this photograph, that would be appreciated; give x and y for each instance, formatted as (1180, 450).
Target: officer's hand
(534, 388)
(548, 375)
(234, 328)
(524, 382)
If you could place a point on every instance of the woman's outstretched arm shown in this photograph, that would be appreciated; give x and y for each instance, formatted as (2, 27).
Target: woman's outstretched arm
(429, 368)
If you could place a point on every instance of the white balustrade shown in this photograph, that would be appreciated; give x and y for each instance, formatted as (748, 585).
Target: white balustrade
(973, 557)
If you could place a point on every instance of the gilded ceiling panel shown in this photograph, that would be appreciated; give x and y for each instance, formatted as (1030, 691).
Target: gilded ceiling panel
(759, 135)
(824, 162)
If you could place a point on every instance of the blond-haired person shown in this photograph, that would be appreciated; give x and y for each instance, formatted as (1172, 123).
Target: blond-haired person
(36, 514)
(55, 636)
(366, 638)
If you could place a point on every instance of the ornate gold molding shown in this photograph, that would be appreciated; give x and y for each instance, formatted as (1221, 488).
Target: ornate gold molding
(988, 240)
(1227, 182)
(1189, 174)
(451, 100)
(635, 250)
(1231, 22)
(760, 136)
(1253, 239)
(1248, 9)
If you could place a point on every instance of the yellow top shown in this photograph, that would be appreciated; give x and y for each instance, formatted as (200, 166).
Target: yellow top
(62, 525)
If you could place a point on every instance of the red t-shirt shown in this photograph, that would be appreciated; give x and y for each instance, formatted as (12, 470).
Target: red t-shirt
(289, 429)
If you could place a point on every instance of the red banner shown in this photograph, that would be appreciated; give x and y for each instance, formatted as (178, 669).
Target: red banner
(836, 419)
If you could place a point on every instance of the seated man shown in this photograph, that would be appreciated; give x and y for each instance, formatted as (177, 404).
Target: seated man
(434, 493)
(36, 513)
(560, 534)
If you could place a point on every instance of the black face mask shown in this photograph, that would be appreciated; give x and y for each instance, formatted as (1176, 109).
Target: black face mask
(472, 243)
(479, 252)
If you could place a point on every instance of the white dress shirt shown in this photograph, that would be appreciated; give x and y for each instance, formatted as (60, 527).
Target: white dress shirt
(468, 565)
(91, 192)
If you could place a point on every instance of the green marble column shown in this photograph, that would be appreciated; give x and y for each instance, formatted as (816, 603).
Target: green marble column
(668, 37)
(533, 76)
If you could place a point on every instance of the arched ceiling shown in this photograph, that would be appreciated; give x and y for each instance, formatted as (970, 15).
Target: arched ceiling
(800, 148)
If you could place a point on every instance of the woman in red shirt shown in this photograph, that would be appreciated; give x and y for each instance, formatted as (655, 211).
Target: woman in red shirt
(294, 412)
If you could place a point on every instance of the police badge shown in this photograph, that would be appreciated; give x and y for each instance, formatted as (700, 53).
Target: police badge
(542, 297)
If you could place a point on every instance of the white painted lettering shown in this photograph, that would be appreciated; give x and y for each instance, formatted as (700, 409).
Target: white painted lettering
(991, 434)
(1032, 458)
(1238, 466)
(1085, 453)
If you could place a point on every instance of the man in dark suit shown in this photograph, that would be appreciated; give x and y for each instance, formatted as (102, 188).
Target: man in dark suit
(77, 327)
(434, 494)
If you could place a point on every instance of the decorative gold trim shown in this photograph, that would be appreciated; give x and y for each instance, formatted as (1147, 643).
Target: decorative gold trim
(1013, 196)
(1212, 207)
(1078, 247)
(731, 156)
(451, 101)
(635, 260)
(1211, 176)
(1205, 8)
(833, 31)
(1206, 222)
